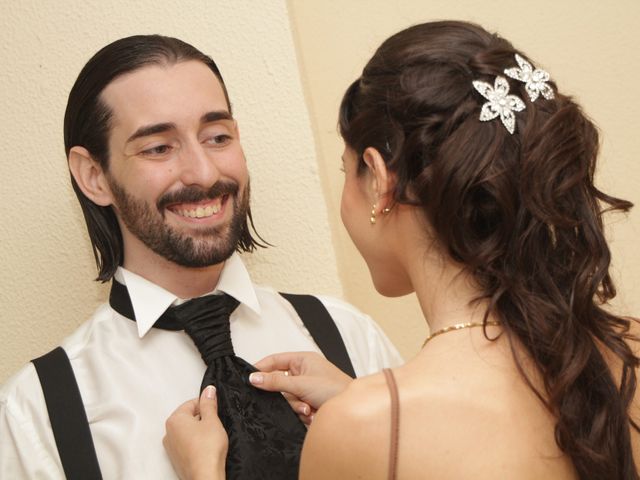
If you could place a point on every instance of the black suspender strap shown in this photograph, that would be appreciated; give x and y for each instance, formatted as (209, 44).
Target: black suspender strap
(322, 328)
(67, 415)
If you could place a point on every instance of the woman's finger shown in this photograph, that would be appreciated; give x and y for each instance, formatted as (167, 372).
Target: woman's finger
(297, 405)
(280, 361)
(276, 382)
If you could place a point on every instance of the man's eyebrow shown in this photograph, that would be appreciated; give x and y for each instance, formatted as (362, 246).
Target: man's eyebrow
(147, 130)
(215, 116)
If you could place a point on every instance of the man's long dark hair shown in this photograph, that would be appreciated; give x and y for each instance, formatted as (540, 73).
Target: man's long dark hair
(87, 124)
(520, 211)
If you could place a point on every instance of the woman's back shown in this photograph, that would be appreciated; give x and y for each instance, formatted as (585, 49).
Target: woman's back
(465, 412)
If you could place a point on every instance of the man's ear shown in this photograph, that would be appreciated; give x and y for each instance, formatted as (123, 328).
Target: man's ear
(383, 181)
(89, 176)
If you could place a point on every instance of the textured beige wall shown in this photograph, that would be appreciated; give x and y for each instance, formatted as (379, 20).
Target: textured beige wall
(47, 267)
(590, 49)
(46, 286)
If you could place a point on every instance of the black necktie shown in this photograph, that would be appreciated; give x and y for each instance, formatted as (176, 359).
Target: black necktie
(265, 435)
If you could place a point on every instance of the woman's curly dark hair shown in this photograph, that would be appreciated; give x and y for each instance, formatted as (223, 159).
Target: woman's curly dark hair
(520, 211)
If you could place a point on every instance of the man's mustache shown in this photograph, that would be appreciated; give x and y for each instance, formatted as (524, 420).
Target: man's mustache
(196, 194)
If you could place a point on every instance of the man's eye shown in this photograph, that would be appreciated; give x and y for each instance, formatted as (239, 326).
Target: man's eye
(219, 139)
(158, 150)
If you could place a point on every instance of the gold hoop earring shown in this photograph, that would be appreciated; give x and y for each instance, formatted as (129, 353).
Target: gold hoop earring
(372, 219)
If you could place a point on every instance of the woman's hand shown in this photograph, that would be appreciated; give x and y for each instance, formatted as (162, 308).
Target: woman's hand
(196, 440)
(307, 380)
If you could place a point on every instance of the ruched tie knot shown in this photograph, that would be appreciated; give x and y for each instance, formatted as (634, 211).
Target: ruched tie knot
(206, 321)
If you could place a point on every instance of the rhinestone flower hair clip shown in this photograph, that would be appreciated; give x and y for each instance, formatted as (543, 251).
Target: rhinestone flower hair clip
(503, 104)
(535, 80)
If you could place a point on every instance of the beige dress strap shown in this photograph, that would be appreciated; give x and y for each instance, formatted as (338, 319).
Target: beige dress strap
(395, 423)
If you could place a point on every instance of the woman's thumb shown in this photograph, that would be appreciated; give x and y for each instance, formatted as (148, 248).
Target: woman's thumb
(208, 402)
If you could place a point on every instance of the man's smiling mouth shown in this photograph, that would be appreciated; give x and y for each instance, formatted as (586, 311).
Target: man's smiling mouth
(204, 209)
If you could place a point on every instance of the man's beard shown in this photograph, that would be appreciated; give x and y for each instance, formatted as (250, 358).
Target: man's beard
(199, 249)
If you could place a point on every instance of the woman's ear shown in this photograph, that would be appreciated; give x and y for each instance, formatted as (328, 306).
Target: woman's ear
(383, 181)
(89, 176)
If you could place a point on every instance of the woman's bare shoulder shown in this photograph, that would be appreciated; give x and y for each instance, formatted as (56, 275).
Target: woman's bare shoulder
(349, 435)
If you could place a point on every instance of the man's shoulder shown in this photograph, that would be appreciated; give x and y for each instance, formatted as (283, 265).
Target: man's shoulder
(21, 392)
(27, 445)
(84, 335)
(342, 306)
(368, 346)
(332, 304)
(348, 318)
(25, 384)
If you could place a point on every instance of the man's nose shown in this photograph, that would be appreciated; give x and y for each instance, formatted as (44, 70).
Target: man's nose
(198, 167)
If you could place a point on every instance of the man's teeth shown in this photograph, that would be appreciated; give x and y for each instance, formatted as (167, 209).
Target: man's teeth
(201, 212)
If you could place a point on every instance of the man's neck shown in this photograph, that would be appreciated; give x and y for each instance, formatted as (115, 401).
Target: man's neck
(184, 282)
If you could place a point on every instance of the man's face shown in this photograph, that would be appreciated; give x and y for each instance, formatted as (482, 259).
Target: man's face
(176, 171)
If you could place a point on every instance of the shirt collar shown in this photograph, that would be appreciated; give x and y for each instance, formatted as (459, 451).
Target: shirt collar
(149, 301)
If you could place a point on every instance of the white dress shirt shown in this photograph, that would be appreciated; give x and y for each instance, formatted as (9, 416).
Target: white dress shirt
(132, 376)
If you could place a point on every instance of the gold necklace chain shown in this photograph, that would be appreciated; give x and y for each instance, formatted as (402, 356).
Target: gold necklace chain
(459, 326)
